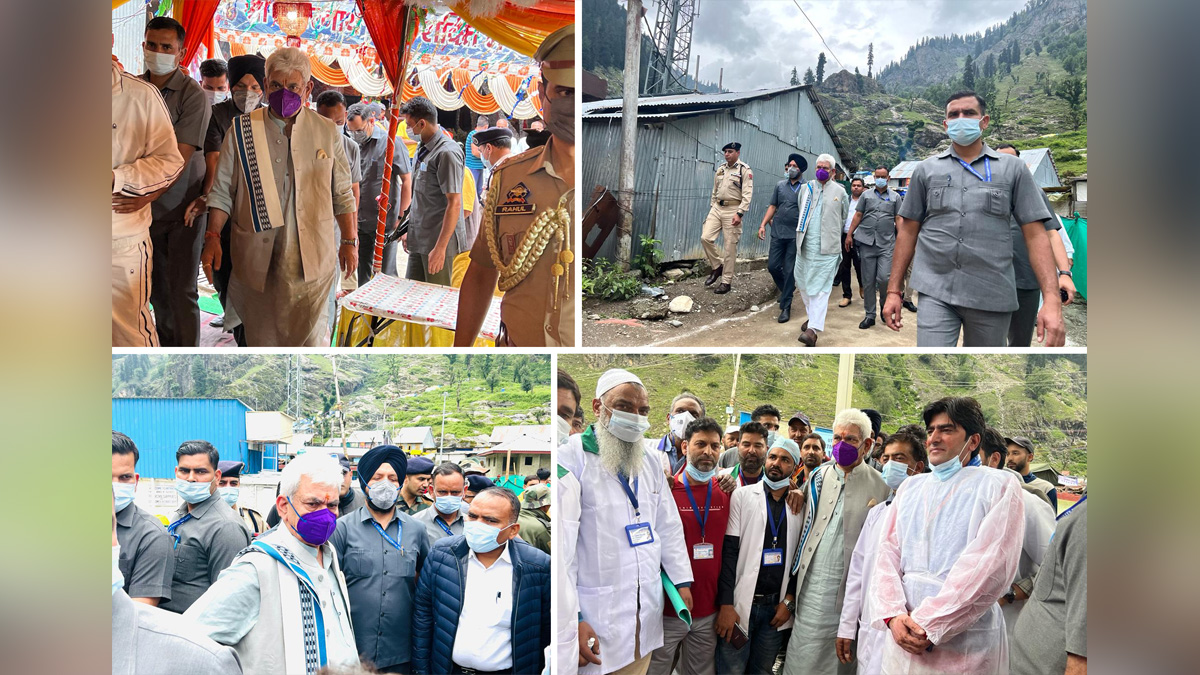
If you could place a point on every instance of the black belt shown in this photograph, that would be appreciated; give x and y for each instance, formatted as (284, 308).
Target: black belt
(766, 599)
(456, 669)
(721, 202)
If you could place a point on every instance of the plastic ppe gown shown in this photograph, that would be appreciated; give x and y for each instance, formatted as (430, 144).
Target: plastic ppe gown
(854, 624)
(947, 552)
(1039, 527)
(564, 536)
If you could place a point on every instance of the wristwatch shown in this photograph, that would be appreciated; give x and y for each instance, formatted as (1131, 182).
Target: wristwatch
(1065, 273)
(349, 242)
(791, 605)
(741, 214)
(1011, 596)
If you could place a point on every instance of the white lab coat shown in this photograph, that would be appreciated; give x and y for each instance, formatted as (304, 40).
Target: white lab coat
(613, 578)
(566, 599)
(854, 624)
(748, 521)
(947, 552)
(1039, 527)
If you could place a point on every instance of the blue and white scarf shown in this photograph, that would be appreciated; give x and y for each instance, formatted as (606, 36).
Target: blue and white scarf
(250, 136)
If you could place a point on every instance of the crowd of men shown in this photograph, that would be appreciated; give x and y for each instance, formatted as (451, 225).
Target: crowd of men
(416, 569)
(930, 550)
(972, 233)
(244, 176)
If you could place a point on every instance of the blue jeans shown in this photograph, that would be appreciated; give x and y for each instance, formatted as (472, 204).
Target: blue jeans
(781, 263)
(758, 656)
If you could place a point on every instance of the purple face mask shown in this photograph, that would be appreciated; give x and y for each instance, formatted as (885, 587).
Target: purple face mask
(284, 102)
(844, 453)
(315, 528)
(822, 174)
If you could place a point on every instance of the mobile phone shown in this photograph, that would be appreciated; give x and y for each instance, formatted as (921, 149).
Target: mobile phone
(1062, 293)
(739, 637)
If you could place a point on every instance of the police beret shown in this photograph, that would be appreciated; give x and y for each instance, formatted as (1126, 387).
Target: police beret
(490, 135)
(419, 465)
(733, 146)
(803, 164)
(229, 468)
(477, 483)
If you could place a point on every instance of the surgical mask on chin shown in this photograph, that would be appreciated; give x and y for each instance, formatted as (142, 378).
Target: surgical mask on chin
(482, 537)
(793, 173)
(563, 429)
(627, 426)
(894, 473)
(880, 183)
(776, 484)
(229, 494)
(946, 470)
(118, 579)
(698, 476)
(963, 130)
(383, 494)
(679, 422)
(159, 63)
(192, 493)
(246, 100)
(448, 504)
(123, 494)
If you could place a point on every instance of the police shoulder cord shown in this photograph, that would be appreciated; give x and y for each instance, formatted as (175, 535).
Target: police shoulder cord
(553, 222)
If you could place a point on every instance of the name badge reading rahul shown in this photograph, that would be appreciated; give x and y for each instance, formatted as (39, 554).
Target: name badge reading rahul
(516, 202)
(639, 534)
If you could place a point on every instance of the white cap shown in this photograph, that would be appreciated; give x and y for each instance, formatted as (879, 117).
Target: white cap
(732, 429)
(789, 445)
(614, 377)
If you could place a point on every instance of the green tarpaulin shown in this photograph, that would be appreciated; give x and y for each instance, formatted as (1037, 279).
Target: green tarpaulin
(1077, 232)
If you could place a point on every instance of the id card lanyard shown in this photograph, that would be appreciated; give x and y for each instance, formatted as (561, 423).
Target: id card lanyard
(386, 537)
(774, 555)
(987, 169)
(702, 550)
(639, 533)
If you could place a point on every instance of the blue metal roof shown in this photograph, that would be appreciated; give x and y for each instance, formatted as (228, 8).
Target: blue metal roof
(159, 425)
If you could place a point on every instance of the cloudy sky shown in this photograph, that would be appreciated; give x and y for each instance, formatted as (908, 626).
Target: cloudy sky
(758, 42)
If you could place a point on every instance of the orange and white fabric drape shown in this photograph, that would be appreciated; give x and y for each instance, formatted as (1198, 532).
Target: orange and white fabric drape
(503, 88)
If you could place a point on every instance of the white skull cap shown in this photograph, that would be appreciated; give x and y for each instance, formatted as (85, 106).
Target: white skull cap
(614, 377)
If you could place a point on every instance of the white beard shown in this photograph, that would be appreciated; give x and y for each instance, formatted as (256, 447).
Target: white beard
(616, 455)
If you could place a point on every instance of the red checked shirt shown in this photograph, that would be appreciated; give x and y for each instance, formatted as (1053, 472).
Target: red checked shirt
(705, 572)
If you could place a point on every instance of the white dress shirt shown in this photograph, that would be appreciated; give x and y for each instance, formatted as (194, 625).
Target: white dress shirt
(484, 638)
(850, 215)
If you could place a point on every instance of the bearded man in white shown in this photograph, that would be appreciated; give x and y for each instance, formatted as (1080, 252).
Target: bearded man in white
(629, 532)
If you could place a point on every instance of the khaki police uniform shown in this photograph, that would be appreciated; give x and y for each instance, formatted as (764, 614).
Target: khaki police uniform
(732, 189)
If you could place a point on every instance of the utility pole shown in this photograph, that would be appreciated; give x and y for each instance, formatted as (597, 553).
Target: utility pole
(442, 443)
(629, 117)
(737, 364)
(337, 397)
(696, 79)
(721, 80)
(845, 386)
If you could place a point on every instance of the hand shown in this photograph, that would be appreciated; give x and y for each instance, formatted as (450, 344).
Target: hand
(908, 634)
(126, 204)
(197, 208)
(795, 500)
(782, 616)
(737, 220)
(404, 241)
(685, 594)
(762, 231)
(210, 256)
(1067, 284)
(849, 242)
(437, 259)
(1051, 331)
(891, 312)
(348, 258)
(586, 655)
(843, 650)
(726, 482)
(726, 618)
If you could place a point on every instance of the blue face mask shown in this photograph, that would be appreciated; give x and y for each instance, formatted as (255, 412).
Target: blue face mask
(193, 493)
(894, 474)
(698, 476)
(963, 130)
(229, 494)
(776, 484)
(946, 470)
(449, 504)
(880, 183)
(482, 537)
(123, 495)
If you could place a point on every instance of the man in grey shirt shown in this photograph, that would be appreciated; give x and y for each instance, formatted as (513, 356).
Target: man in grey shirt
(372, 141)
(1051, 632)
(147, 562)
(955, 217)
(206, 533)
(177, 245)
(445, 519)
(436, 232)
(873, 233)
(783, 213)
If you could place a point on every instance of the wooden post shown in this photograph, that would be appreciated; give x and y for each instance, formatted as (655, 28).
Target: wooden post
(629, 116)
(845, 388)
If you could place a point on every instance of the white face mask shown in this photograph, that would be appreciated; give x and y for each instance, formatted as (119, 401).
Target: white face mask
(159, 63)
(679, 422)
(246, 100)
(563, 428)
(118, 579)
(215, 97)
(627, 426)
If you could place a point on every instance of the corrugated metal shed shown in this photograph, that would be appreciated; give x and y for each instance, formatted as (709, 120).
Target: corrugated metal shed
(904, 169)
(1041, 163)
(159, 425)
(679, 142)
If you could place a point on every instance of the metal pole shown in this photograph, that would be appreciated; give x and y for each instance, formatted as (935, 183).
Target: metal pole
(737, 365)
(845, 388)
(633, 51)
(442, 442)
(696, 80)
(720, 79)
(337, 395)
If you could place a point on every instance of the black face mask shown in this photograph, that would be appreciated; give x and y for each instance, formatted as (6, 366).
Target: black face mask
(559, 115)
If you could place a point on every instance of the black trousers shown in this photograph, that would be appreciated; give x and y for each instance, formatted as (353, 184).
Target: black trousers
(173, 290)
(366, 255)
(1022, 322)
(221, 276)
(781, 263)
(843, 273)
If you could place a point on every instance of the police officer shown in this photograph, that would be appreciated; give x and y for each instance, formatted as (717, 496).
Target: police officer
(873, 233)
(526, 236)
(733, 187)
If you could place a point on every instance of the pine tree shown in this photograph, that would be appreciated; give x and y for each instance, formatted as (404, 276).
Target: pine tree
(870, 58)
(809, 78)
(858, 80)
(989, 66)
(820, 67)
(795, 79)
(968, 76)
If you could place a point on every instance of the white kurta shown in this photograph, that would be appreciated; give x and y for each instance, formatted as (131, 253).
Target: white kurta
(565, 536)
(812, 649)
(1039, 527)
(619, 583)
(854, 624)
(947, 552)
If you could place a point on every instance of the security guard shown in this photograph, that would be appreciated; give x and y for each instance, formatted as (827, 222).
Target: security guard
(733, 187)
(526, 236)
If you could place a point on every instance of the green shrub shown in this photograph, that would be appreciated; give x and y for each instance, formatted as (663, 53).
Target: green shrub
(603, 279)
(648, 257)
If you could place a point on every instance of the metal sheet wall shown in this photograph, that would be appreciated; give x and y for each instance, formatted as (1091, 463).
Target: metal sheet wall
(676, 160)
(158, 425)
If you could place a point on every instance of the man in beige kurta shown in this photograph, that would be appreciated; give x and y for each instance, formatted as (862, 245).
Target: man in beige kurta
(283, 270)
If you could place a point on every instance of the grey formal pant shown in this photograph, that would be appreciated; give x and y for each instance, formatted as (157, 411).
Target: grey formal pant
(366, 255)
(876, 265)
(418, 266)
(1020, 326)
(173, 291)
(938, 325)
(696, 654)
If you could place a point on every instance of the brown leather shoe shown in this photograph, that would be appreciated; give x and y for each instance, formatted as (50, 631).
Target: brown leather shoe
(808, 338)
(804, 326)
(722, 289)
(716, 274)
(845, 302)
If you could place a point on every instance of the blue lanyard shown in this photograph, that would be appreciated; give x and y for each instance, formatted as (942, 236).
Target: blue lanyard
(796, 187)
(441, 524)
(400, 532)
(885, 197)
(1064, 513)
(632, 494)
(774, 523)
(987, 168)
(171, 528)
(695, 509)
